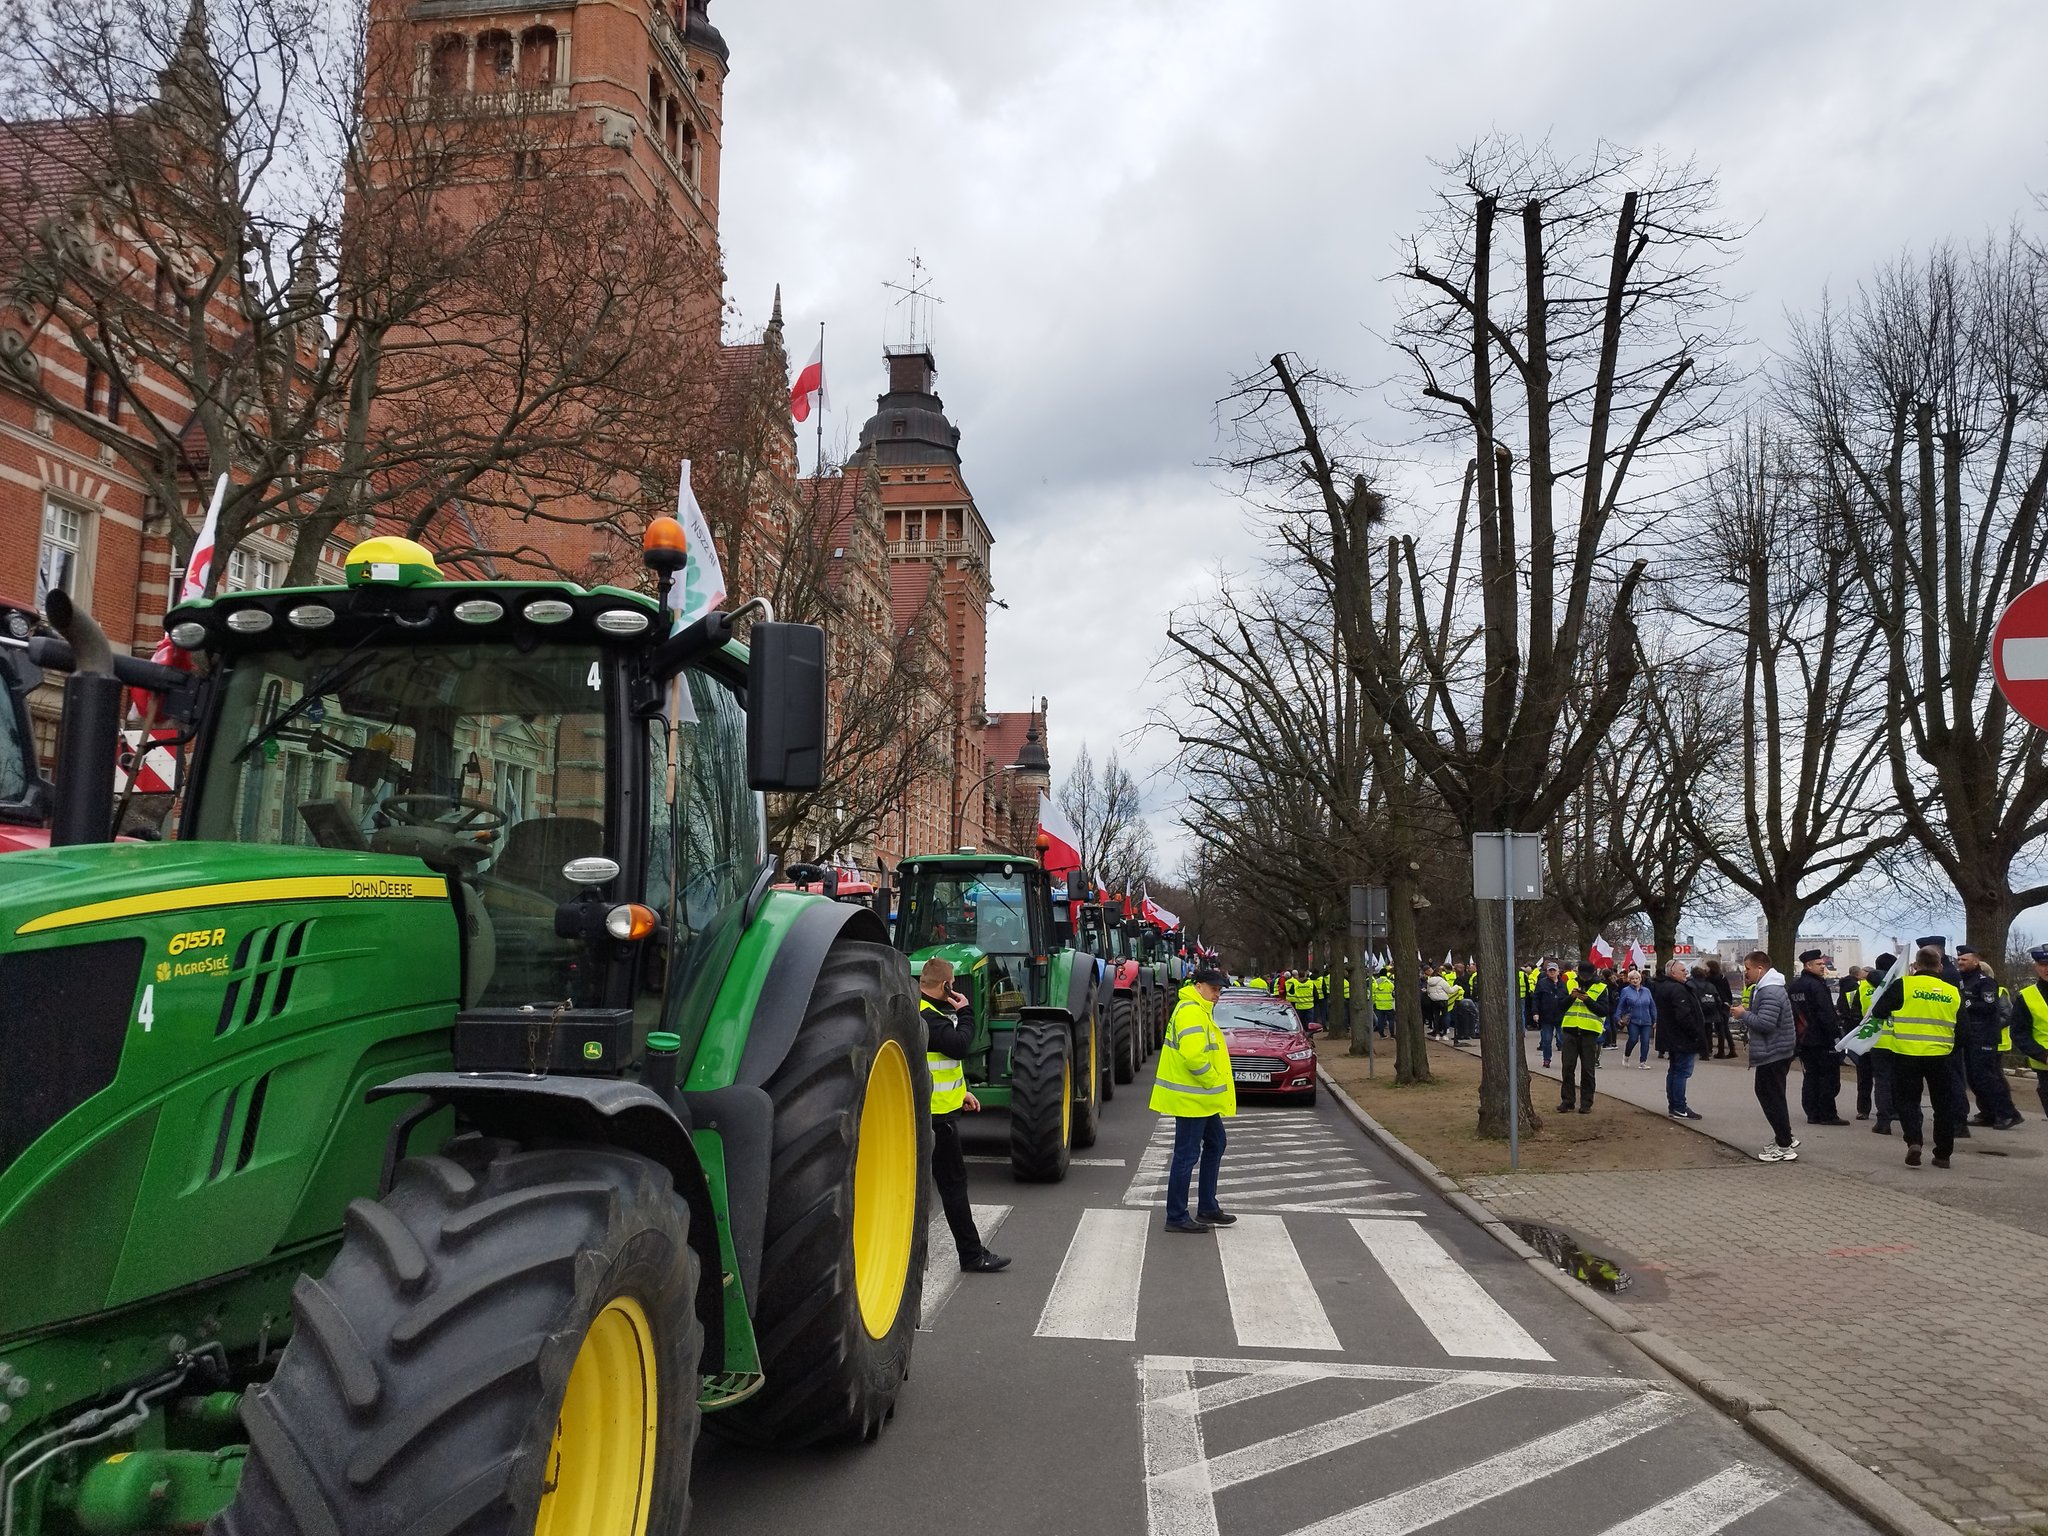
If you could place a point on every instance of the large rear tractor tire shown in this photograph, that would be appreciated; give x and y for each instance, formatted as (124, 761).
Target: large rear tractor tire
(505, 1345)
(1124, 1028)
(1091, 1072)
(842, 1265)
(1041, 1100)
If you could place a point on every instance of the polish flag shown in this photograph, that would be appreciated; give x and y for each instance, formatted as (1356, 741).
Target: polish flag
(1600, 952)
(1152, 912)
(158, 769)
(810, 386)
(1062, 850)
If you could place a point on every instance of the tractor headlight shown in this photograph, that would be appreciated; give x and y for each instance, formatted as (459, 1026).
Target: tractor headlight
(622, 621)
(189, 635)
(479, 610)
(548, 610)
(310, 616)
(249, 621)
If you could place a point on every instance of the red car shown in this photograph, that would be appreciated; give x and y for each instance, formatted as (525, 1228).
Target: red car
(1268, 1051)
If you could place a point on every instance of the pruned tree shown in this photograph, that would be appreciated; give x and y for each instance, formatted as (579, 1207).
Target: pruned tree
(1923, 402)
(1591, 344)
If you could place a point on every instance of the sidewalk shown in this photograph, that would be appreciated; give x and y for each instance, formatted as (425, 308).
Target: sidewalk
(1766, 1271)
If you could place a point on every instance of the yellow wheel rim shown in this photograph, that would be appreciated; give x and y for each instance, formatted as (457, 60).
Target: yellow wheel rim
(1067, 1102)
(885, 1183)
(601, 1466)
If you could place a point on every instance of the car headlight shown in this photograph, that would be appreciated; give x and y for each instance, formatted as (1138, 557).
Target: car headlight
(1304, 1055)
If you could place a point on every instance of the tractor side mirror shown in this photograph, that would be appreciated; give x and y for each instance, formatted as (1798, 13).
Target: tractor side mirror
(786, 706)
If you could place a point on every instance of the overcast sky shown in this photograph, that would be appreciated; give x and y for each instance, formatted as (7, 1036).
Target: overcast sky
(1125, 204)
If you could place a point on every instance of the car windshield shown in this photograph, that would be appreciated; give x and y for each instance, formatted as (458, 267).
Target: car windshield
(985, 909)
(483, 760)
(1253, 1016)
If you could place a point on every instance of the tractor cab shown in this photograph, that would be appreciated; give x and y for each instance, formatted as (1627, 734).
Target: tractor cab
(992, 918)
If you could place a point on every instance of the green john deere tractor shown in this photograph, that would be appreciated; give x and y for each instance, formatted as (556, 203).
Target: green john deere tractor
(1041, 1006)
(451, 1114)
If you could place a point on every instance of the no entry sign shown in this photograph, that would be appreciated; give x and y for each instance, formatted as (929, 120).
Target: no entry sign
(2019, 653)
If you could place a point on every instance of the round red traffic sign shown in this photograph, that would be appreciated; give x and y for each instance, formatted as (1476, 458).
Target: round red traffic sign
(2019, 653)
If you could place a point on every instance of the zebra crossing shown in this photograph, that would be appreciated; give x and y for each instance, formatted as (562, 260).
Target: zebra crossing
(1279, 1161)
(1199, 1453)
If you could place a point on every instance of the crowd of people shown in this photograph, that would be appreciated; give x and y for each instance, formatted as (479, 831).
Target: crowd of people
(1924, 1038)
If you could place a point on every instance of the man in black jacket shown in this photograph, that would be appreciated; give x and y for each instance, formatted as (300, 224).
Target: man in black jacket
(1550, 1000)
(1820, 1064)
(1681, 1035)
(948, 1038)
(1977, 1030)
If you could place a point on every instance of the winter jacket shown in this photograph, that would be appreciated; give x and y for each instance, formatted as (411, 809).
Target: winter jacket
(1772, 1031)
(1636, 1005)
(1813, 1009)
(1552, 998)
(1980, 1022)
(1682, 1028)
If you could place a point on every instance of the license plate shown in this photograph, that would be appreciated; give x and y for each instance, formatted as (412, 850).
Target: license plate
(1253, 1077)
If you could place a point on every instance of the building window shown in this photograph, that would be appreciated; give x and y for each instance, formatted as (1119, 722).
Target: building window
(248, 571)
(92, 387)
(538, 47)
(450, 69)
(60, 565)
(494, 62)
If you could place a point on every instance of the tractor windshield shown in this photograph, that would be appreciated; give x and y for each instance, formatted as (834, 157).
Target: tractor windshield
(486, 761)
(15, 771)
(986, 909)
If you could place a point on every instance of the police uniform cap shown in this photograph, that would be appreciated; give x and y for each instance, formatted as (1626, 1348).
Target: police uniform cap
(1809, 954)
(2039, 954)
(1932, 941)
(1966, 949)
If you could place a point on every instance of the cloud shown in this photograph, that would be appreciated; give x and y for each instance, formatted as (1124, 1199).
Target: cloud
(1125, 205)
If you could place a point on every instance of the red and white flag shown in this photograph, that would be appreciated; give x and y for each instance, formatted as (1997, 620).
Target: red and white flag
(1062, 850)
(1152, 912)
(158, 767)
(1600, 952)
(809, 388)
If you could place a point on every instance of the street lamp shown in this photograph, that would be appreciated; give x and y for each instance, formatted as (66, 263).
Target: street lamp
(960, 809)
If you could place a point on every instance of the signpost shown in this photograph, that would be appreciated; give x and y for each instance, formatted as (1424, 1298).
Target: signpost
(1368, 921)
(2019, 654)
(1508, 867)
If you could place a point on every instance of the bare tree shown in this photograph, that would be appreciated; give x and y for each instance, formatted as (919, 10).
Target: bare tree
(358, 301)
(1105, 808)
(1798, 650)
(1925, 400)
(1600, 353)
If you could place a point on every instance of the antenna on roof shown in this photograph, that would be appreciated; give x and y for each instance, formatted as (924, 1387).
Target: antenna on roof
(915, 304)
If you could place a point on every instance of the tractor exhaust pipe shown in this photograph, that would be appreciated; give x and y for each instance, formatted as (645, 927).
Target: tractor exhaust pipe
(89, 737)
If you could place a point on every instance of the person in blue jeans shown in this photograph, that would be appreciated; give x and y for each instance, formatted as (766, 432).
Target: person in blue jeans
(1636, 1009)
(1551, 998)
(1682, 1034)
(1195, 1086)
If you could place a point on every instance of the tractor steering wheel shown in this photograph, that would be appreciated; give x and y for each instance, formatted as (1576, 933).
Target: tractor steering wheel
(428, 811)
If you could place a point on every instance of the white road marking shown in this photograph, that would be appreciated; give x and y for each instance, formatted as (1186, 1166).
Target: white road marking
(942, 1259)
(1178, 1498)
(1290, 1450)
(1705, 1507)
(1096, 1293)
(1451, 1304)
(1076, 1162)
(1413, 1509)
(1272, 1303)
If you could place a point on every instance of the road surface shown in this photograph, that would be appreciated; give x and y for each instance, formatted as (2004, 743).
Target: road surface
(1353, 1358)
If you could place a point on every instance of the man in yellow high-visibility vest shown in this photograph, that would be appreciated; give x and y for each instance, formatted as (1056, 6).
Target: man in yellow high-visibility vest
(1919, 1013)
(1194, 1086)
(948, 1039)
(2030, 1022)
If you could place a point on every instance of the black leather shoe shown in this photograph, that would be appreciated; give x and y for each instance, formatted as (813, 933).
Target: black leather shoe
(1198, 1228)
(2009, 1123)
(1216, 1218)
(988, 1263)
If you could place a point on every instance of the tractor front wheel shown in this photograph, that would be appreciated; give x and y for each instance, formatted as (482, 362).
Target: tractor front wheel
(842, 1267)
(506, 1344)
(1124, 1028)
(1041, 1100)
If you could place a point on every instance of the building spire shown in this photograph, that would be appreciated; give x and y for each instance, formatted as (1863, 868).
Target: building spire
(775, 315)
(188, 89)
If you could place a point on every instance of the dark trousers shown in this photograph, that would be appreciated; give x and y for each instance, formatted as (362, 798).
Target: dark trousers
(2041, 1087)
(1578, 1053)
(1819, 1084)
(1382, 1022)
(1675, 1078)
(1987, 1080)
(949, 1172)
(1724, 1038)
(1937, 1073)
(1770, 1095)
(1874, 1084)
(1196, 1138)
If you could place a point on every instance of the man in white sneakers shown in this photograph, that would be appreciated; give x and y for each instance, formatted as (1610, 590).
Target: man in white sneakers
(1766, 1009)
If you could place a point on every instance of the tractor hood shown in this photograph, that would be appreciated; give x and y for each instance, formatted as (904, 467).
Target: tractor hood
(965, 957)
(57, 889)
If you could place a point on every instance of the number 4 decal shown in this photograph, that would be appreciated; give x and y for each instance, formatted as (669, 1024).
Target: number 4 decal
(596, 682)
(146, 1014)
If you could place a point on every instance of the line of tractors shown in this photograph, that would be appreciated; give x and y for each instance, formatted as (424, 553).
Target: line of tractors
(451, 1111)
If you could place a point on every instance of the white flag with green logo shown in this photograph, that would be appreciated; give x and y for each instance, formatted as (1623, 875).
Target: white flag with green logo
(699, 586)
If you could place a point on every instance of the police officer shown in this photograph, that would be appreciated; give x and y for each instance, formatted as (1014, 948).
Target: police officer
(1579, 1037)
(948, 1038)
(1820, 1064)
(1194, 1086)
(1383, 1000)
(1919, 1013)
(1980, 1028)
(2030, 1022)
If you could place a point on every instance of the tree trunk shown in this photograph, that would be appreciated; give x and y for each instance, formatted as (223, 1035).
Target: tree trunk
(1987, 921)
(1783, 941)
(1411, 1052)
(1359, 1003)
(1497, 1017)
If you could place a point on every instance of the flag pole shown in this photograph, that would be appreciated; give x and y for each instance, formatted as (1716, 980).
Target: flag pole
(818, 458)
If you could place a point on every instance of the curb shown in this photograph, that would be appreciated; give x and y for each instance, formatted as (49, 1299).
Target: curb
(1848, 1480)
